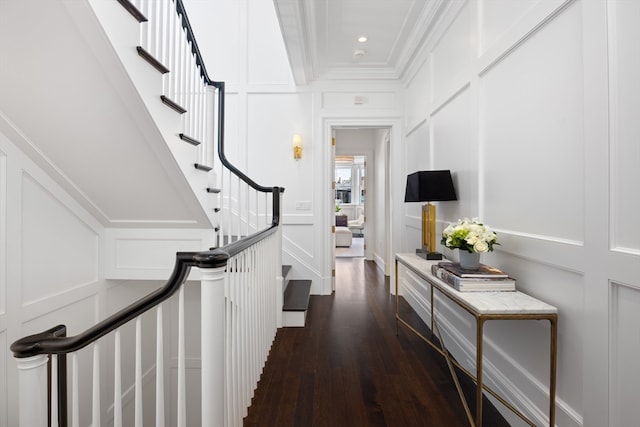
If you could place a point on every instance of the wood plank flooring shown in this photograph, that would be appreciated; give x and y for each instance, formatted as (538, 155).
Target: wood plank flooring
(348, 367)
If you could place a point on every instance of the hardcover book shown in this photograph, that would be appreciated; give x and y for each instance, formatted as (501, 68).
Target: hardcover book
(478, 284)
(485, 271)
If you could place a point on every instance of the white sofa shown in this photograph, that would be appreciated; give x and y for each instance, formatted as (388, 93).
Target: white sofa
(344, 237)
(357, 225)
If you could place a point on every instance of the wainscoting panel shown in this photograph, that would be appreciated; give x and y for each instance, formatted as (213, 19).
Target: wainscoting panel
(417, 96)
(302, 237)
(450, 58)
(3, 234)
(269, 141)
(4, 382)
(149, 254)
(497, 16)
(536, 146)
(77, 316)
(417, 158)
(624, 354)
(454, 148)
(59, 250)
(624, 69)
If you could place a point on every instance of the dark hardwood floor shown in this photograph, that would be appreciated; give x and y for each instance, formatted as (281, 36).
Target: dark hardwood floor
(348, 367)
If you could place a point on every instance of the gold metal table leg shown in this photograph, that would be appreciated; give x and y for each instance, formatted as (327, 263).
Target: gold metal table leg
(479, 351)
(553, 365)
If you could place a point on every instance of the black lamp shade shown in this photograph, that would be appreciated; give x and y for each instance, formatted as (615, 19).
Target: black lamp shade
(430, 186)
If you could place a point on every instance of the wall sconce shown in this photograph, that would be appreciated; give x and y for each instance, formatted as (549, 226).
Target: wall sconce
(297, 146)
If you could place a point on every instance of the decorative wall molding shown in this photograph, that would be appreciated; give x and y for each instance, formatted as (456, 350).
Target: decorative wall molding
(529, 23)
(624, 353)
(149, 254)
(3, 233)
(71, 244)
(4, 375)
(298, 219)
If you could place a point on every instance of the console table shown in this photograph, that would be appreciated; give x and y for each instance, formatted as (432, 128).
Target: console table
(483, 306)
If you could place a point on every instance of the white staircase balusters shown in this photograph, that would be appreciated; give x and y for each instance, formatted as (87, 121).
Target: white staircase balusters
(181, 392)
(160, 414)
(117, 380)
(95, 403)
(54, 395)
(75, 392)
(138, 375)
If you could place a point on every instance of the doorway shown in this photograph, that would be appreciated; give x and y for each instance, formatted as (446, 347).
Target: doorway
(350, 200)
(382, 209)
(360, 163)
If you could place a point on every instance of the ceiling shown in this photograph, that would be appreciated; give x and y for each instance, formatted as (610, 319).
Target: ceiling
(321, 36)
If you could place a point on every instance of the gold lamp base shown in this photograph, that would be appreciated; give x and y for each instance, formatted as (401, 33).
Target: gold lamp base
(428, 250)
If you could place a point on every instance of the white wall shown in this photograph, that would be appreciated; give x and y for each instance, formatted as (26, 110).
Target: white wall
(531, 104)
(50, 265)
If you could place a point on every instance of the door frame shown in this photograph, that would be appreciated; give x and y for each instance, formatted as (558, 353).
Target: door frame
(394, 197)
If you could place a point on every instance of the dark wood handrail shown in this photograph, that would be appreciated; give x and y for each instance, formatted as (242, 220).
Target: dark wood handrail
(49, 342)
(54, 341)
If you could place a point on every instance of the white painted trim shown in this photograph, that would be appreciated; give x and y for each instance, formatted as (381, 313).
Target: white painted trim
(395, 186)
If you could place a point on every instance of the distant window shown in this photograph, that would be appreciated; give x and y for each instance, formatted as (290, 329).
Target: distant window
(350, 184)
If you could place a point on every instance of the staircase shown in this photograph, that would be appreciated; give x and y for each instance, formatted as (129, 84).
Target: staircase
(240, 299)
(296, 299)
(199, 159)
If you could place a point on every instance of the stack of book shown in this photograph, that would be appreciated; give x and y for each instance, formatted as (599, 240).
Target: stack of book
(486, 278)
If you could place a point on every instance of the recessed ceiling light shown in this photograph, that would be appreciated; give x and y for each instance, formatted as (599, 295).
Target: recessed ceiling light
(362, 39)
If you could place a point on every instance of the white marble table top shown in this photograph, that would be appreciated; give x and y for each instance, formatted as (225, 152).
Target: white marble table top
(481, 302)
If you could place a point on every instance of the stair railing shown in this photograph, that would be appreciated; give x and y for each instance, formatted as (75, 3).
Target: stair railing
(241, 295)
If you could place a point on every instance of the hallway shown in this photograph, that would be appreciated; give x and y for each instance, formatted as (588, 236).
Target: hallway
(347, 367)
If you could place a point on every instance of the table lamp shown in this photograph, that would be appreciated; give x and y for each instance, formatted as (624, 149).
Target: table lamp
(429, 186)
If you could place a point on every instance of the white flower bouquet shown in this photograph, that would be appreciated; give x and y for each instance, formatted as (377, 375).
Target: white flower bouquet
(470, 235)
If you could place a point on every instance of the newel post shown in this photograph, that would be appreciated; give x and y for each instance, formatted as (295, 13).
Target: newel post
(33, 386)
(279, 282)
(212, 335)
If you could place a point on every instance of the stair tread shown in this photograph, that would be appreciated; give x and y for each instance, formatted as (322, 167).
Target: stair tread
(296, 297)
